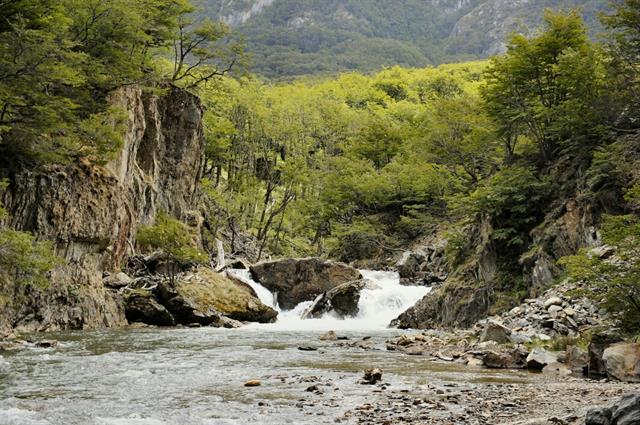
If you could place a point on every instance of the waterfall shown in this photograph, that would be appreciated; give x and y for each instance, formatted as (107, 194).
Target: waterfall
(379, 304)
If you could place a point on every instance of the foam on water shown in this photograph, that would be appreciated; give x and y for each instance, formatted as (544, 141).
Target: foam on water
(263, 293)
(379, 304)
(16, 416)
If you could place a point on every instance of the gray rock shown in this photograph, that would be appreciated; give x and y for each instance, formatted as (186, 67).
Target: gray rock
(343, 300)
(494, 331)
(624, 412)
(539, 358)
(298, 280)
(552, 301)
(512, 359)
(599, 342)
(144, 308)
(622, 361)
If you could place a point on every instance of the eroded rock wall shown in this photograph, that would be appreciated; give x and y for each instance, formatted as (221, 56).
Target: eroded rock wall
(92, 212)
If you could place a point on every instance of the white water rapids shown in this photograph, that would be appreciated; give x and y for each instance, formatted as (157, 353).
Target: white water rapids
(379, 304)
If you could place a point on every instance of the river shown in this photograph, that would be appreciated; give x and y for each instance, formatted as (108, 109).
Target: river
(196, 376)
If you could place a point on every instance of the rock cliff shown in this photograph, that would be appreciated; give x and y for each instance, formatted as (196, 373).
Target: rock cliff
(92, 212)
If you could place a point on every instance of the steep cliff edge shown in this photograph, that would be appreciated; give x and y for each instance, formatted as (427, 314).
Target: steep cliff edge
(92, 212)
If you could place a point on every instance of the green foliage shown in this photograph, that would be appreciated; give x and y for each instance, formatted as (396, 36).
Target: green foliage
(550, 88)
(613, 282)
(172, 237)
(515, 199)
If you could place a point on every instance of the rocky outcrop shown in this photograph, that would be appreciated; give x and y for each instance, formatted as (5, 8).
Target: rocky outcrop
(624, 412)
(92, 212)
(298, 280)
(342, 300)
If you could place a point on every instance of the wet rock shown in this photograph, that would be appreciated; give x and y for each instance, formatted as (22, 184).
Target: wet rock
(539, 358)
(409, 264)
(142, 307)
(225, 322)
(371, 376)
(298, 280)
(253, 383)
(329, 336)
(494, 331)
(343, 300)
(624, 412)
(622, 362)
(206, 292)
(46, 343)
(307, 348)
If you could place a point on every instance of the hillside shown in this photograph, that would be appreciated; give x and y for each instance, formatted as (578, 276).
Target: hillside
(293, 37)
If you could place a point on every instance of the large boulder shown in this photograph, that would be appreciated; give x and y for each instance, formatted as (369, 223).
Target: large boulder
(494, 331)
(140, 306)
(207, 291)
(622, 361)
(624, 412)
(298, 280)
(343, 300)
(510, 359)
(538, 358)
(599, 342)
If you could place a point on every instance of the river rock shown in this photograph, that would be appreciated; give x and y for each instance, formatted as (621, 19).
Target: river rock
(343, 300)
(539, 358)
(207, 291)
(510, 359)
(494, 331)
(253, 383)
(372, 376)
(142, 307)
(624, 412)
(622, 362)
(187, 311)
(409, 264)
(329, 336)
(298, 280)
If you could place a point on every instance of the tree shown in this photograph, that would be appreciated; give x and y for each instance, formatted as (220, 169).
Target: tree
(549, 88)
(173, 238)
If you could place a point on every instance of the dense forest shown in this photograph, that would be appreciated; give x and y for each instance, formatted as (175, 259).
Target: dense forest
(292, 38)
(353, 167)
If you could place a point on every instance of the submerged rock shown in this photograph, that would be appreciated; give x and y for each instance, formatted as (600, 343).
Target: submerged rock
(343, 300)
(298, 280)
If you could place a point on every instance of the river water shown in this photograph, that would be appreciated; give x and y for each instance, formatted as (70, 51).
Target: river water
(196, 376)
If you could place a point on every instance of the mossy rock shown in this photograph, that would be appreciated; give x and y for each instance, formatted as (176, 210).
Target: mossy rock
(210, 290)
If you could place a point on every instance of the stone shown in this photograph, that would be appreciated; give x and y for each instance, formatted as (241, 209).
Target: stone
(207, 295)
(307, 348)
(603, 251)
(46, 343)
(409, 264)
(372, 376)
(253, 383)
(342, 300)
(511, 359)
(117, 281)
(225, 322)
(142, 307)
(624, 412)
(494, 331)
(555, 311)
(329, 336)
(519, 338)
(576, 359)
(622, 362)
(552, 301)
(599, 342)
(538, 358)
(298, 280)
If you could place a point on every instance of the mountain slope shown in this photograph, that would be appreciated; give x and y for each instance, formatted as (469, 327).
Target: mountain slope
(299, 37)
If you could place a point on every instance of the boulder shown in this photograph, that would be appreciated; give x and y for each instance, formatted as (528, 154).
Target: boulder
(599, 342)
(511, 359)
(494, 331)
(117, 281)
(187, 311)
(552, 301)
(371, 376)
(409, 264)
(622, 362)
(298, 280)
(329, 336)
(343, 300)
(538, 358)
(142, 307)
(207, 291)
(575, 359)
(624, 412)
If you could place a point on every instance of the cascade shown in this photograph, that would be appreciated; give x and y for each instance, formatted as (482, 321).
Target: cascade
(379, 304)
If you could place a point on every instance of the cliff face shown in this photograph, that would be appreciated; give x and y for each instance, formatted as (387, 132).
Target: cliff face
(92, 213)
